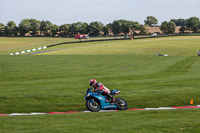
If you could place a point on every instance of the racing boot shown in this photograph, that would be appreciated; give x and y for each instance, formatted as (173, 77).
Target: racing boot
(111, 99)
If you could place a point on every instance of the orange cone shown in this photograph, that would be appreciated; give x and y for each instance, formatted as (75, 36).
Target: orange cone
(191, 102)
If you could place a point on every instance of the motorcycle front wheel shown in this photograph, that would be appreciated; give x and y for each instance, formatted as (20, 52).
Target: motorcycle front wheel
(121, 104)
(92, 105)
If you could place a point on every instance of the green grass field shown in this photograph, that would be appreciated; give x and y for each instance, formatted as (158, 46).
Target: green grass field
(17, 44)
(172, 121)
(57, 81)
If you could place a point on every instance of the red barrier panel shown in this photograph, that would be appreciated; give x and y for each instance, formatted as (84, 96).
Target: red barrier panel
(2, 114)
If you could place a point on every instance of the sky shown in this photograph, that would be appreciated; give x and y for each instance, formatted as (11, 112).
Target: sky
(106, 11)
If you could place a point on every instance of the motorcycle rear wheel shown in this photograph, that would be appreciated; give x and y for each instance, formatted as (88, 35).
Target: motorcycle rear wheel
(93, 107)
(121, 104)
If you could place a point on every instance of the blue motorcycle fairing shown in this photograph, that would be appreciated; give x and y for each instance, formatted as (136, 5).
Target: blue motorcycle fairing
(101, 99)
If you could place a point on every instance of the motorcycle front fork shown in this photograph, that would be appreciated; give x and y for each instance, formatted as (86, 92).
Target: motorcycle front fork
(93, 102)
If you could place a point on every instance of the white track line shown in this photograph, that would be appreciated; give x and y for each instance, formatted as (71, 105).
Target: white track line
(160, 108)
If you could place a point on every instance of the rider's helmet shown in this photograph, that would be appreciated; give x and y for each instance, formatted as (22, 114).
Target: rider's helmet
(92, 82)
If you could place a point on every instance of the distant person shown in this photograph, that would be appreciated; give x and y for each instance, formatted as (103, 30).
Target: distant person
(99, 87)
(198, 52)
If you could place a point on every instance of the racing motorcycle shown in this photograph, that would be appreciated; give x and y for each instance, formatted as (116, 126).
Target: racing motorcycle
(95, 101)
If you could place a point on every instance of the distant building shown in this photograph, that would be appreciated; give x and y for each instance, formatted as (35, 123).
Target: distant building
(157, 30)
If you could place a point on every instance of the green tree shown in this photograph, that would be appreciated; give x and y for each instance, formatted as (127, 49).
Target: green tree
(115, 27)
(64, 30)
(78, 28)
(54, 29)
(105, 29)
(45, 27)
(94, 28)
(34, 26)
(164, 27)
(135, 26)
(24, 27)
(182, 29)
(171, 27)
(180, 22)
(125, 26)
(143, 30)
(83, 28)
(193, 24)
(2, 29)
(74, 29)
(151, 20)
(11, 29)
(168, 27)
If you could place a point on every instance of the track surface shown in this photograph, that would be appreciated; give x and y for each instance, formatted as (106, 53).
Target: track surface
(57, 50)
(98, 44)
(160, 108)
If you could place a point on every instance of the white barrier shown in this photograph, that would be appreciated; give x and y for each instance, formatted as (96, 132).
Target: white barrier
(160, 108)
(27, 51)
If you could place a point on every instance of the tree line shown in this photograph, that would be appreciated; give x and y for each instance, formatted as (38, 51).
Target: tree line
(187, 25)
(33, 27)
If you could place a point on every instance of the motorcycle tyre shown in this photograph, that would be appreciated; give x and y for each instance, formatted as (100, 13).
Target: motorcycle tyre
(92, 109)
(119, 107)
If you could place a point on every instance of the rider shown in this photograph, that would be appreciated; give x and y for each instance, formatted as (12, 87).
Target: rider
(100, 87)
